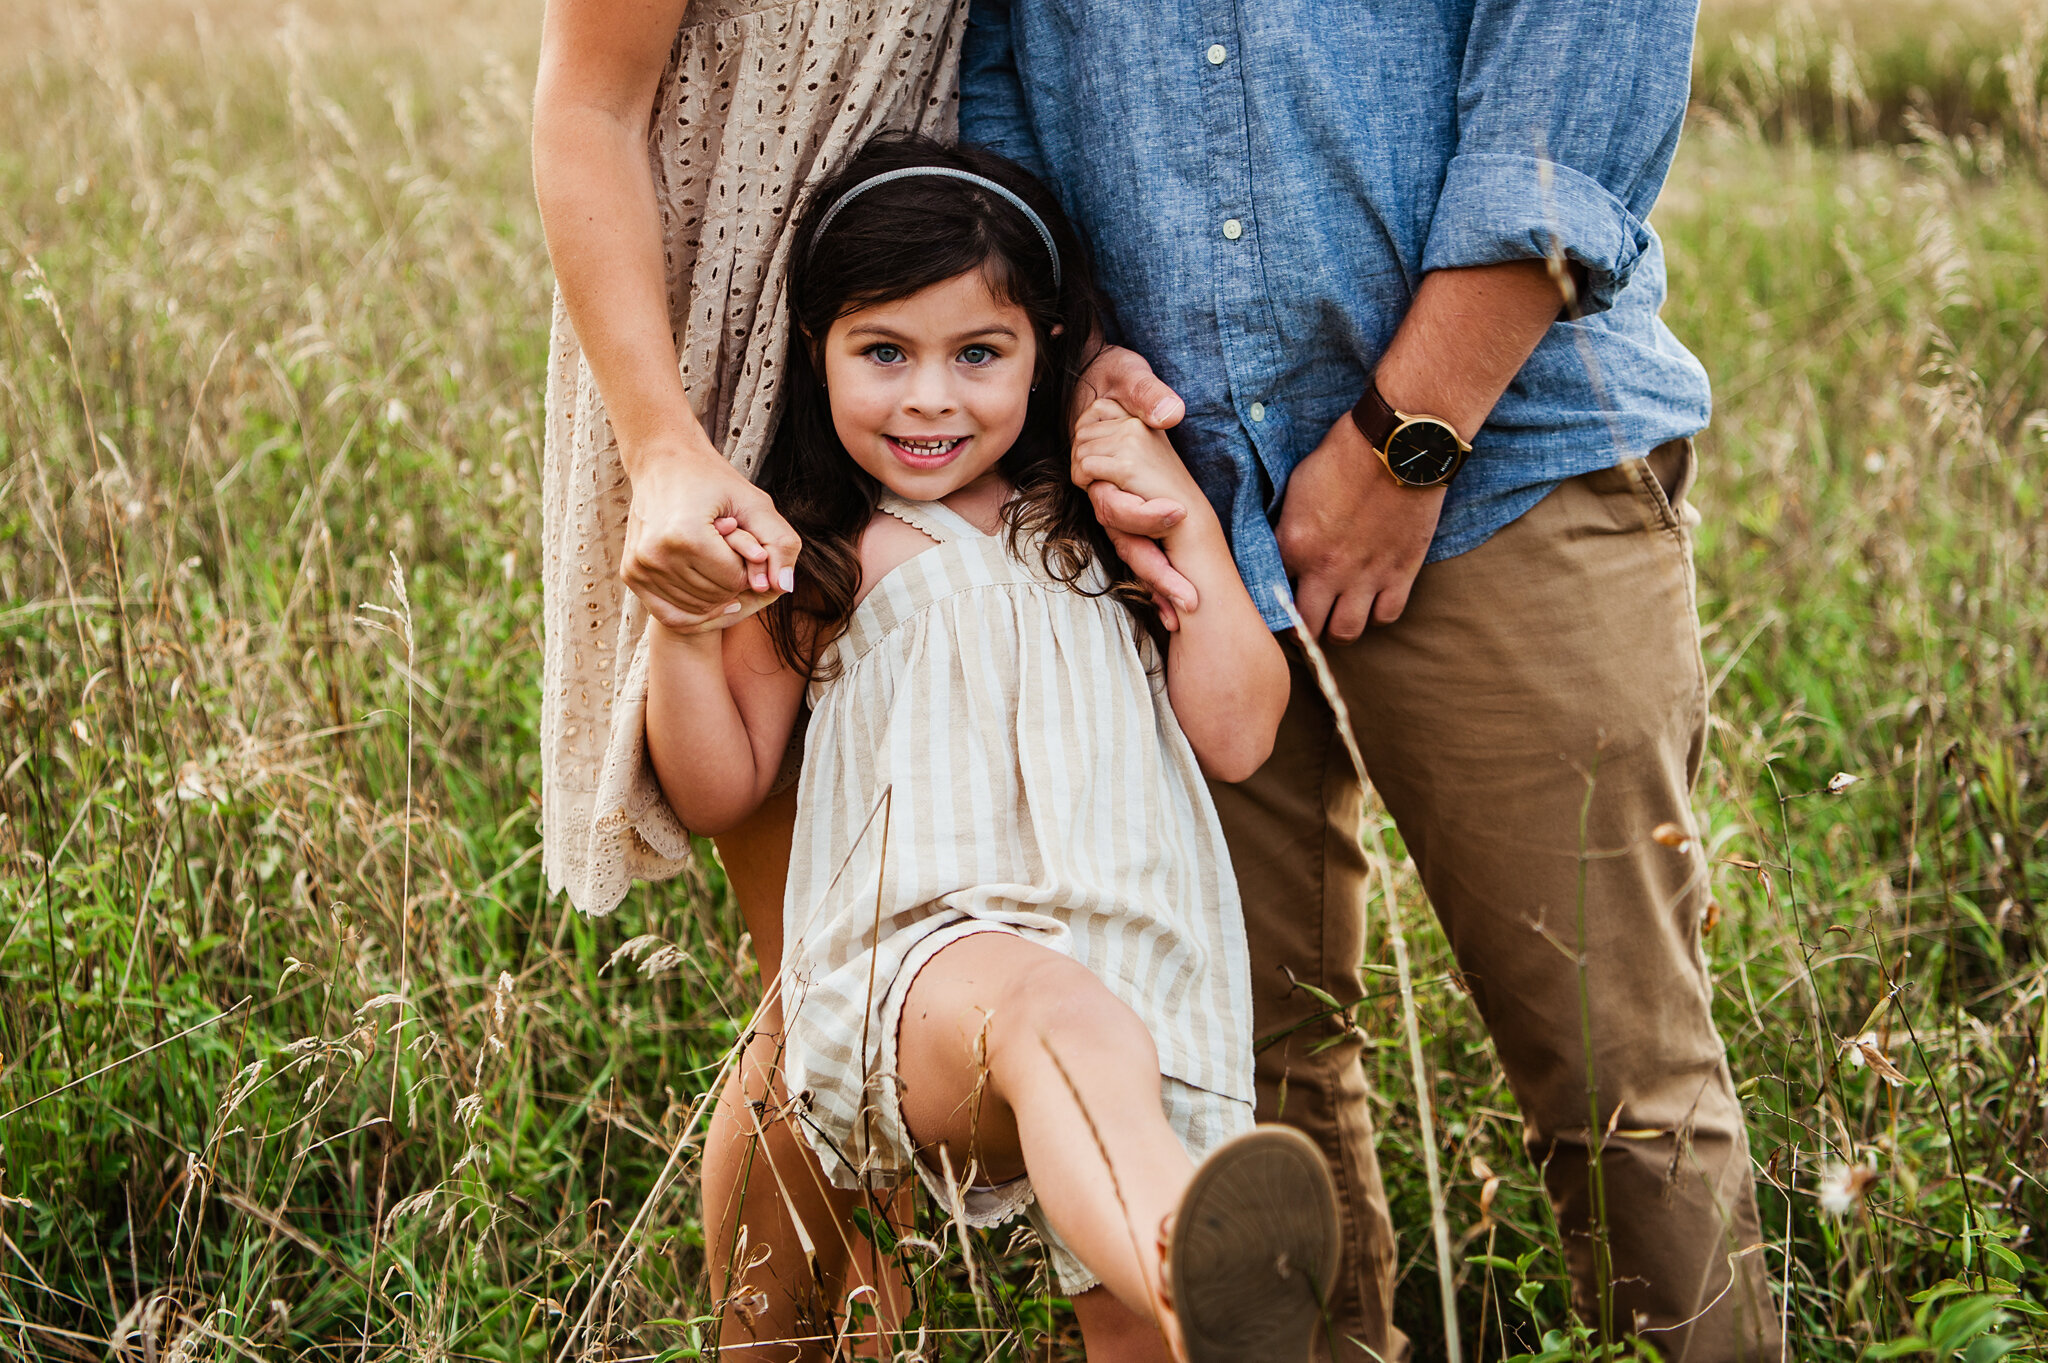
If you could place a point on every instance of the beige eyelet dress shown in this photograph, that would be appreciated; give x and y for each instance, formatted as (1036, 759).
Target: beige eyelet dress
(995, 753)
(760, 99)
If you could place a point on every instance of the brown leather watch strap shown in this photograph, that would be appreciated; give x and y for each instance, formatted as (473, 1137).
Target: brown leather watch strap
(1375, 418)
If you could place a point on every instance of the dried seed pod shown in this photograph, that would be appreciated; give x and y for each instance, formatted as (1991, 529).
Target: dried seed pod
(1673, 836)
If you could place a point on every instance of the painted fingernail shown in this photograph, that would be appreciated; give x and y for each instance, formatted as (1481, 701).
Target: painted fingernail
(760, 582)
(786, 579)
(733, 609)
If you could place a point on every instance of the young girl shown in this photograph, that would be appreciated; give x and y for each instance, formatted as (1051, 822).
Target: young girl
(1014, 962)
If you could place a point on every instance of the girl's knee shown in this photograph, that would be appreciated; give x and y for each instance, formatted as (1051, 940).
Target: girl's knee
(1062, 1006)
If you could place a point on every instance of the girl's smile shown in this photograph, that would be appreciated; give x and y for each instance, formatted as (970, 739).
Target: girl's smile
(930, 453)
(929, 392)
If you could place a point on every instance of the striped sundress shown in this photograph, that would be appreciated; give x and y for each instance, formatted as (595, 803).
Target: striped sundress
(995, 753)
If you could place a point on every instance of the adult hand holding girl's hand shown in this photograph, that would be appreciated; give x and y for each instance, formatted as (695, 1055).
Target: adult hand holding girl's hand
(1124, 377)
(1133, 467)
(705, 548)
(1124, 381)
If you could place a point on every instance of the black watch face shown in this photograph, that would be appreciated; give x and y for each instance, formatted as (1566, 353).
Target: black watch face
(1423, 453)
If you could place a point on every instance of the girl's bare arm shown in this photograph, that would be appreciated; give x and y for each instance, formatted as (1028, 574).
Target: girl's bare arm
(720, 710)
(600, 65)
(1225, 674)
(719, 717)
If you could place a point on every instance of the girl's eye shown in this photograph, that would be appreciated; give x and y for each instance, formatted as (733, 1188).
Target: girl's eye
(885, 354)
(977, 355)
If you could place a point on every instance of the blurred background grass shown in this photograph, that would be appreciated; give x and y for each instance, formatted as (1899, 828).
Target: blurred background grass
(275, 321)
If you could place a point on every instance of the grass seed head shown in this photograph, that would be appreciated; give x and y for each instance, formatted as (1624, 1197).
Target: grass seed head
(1843, 1187)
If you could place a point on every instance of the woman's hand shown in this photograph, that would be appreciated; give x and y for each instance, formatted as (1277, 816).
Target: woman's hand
(705, 548)
(600, 68)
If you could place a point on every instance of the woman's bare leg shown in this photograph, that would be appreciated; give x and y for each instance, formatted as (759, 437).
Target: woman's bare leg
(760, 1176)
(1013, 1056)
(1114, 1333)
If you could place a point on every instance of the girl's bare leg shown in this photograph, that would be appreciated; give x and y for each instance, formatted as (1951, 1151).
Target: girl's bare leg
(764, 1179)
(1002, 1046)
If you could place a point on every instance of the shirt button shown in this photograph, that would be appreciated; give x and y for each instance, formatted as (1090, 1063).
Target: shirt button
(1232, 228)
(1258, 411)
(1217, 54)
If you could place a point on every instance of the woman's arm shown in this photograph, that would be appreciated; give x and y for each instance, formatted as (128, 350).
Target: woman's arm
(600, 64)
(720, 710)
(1225, 674)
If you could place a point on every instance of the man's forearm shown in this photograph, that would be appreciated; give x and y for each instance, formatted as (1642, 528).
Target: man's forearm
(1466, 336)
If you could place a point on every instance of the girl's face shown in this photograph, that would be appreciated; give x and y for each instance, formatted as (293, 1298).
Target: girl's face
(929, 391)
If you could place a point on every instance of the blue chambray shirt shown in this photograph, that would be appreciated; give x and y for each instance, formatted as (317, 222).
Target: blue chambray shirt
(1264, 182)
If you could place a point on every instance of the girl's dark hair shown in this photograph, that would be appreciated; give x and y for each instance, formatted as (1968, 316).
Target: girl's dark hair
(889, 243)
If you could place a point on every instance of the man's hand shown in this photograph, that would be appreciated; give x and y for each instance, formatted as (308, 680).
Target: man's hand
(1126, 379)
(1134, 523)
(705, 548)
(1352, 536)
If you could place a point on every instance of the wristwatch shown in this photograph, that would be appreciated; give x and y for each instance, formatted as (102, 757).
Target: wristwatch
(1418, 449)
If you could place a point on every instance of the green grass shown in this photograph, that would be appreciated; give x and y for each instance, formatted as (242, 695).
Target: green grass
(1858, 72)
(275, 318)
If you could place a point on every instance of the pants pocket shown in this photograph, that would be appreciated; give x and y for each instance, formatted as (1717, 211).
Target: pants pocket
(1664, 477)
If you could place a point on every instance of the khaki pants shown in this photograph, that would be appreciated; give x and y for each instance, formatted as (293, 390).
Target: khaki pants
(1562, 654)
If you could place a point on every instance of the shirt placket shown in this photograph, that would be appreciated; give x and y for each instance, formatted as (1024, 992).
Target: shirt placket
(1247, 328)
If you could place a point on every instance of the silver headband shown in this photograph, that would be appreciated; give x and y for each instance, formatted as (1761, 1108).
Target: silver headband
(944, 172)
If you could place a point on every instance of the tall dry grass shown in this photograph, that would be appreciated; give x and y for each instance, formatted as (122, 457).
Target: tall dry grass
(296, 1059)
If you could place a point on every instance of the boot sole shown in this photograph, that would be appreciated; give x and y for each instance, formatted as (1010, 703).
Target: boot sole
(1254, 1250)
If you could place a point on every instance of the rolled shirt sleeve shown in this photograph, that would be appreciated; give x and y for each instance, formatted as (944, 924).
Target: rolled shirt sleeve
(1568, 116)
(1263, 185)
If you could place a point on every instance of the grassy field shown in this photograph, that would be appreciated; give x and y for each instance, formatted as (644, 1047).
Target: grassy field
(298, 1060)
